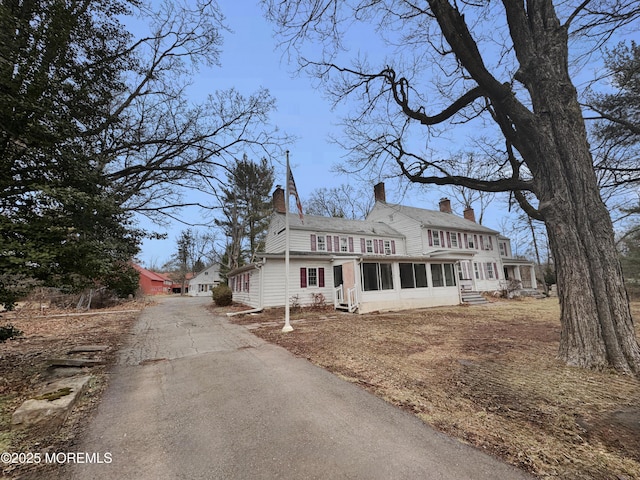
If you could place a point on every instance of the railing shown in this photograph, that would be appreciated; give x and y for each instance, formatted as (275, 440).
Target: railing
(338, 296)
(351, 300)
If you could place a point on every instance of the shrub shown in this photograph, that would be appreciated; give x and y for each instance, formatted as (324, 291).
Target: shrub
(222, 295)
(123, 280)
(9, 331)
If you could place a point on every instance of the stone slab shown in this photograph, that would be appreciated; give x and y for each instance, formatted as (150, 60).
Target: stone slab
(88, 349)
(74, 362)
(50, 412)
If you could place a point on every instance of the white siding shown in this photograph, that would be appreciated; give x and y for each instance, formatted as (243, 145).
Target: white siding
(403, 224)
(251, 296)
(201, 284)
(274, 282)
(275, 240)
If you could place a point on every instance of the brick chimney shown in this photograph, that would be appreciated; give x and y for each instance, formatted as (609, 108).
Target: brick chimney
(278, 200)
(378, 193)
(469, 214)
(445, 205)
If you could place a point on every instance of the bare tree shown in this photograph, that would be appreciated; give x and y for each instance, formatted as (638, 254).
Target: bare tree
(473, 166)
(344, 201)
(154, 142)
(498, 66)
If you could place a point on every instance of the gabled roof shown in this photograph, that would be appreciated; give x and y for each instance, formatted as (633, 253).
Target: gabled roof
(148, 273)
(340, 225)
(435, 218)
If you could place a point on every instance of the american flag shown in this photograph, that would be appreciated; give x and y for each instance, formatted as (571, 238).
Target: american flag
(291, 185)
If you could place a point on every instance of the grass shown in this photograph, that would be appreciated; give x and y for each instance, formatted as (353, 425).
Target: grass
(486, 375)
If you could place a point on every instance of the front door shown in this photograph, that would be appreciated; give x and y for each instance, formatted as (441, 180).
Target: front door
(337, 275)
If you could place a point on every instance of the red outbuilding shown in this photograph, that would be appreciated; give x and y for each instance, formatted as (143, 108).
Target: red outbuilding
(151, 283)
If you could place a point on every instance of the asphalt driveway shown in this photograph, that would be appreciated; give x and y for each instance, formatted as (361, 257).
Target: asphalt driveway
(195, 397)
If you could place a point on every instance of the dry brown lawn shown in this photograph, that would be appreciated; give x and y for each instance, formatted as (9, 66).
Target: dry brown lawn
(487, 375)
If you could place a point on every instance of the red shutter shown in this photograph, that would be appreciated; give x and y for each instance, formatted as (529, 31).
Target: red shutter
(495, 269)
(303, 277)
(466, 241)
(448, 240)
(475, 241)
(321, 277)
(481, 242)
(459, 241)
(491, 243)
(329, 246)
(313, 242)
(375, 246)
(442, 244)
(336, 244)
(363, 246)
(248, 281)
(351, 244)
(430, 238)
(393, 247)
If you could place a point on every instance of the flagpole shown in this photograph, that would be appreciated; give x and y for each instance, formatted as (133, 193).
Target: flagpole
(287, 325)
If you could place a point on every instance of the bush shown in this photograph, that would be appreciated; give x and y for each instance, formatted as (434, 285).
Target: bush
(123, 280)
(9, 331)
(222, 295)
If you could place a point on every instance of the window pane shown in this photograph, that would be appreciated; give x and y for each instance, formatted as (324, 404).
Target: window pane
(406, 275)
(370, 276)
(449, 274)
(386, 276)
(421, 275)
(312, 276)
(436, 275)
(436, 238)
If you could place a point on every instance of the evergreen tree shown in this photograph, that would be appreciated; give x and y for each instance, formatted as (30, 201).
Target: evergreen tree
(60, 223)
(246, 207)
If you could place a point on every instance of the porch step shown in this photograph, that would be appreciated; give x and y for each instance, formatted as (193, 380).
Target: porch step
(344, 307)
(473, 298)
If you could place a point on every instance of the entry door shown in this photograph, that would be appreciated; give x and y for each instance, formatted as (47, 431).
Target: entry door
(337, 275)
(348, 276)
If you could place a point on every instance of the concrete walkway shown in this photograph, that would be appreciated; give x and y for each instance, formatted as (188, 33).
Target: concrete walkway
(195, 397)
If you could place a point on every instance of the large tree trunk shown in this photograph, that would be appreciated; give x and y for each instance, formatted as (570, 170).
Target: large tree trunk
(597, 327)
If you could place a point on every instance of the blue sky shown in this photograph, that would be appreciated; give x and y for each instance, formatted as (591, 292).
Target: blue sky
(249, 61)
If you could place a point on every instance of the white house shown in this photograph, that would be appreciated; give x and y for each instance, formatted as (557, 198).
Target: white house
(202, 284)
(399, 257)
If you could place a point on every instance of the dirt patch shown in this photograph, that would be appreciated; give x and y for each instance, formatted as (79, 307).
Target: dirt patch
(24, 368)
(487, 375)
